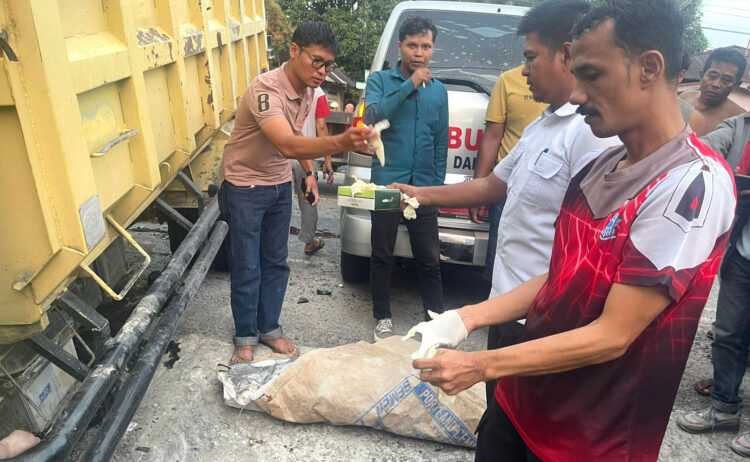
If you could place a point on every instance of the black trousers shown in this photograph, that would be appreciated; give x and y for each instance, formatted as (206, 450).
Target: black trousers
(501, 336)
(498, 439)
(425, 247)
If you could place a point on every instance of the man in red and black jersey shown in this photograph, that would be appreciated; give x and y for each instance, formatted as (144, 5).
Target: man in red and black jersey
(637, 244)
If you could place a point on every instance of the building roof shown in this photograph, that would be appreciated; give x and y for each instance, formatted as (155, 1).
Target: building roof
(698, 61)
(337, 77)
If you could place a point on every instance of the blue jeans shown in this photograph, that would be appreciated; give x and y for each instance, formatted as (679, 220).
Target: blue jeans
(496, 210)
(729, 350)
(258, 218)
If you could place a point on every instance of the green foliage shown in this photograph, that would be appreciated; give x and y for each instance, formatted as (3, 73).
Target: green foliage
(359, 24)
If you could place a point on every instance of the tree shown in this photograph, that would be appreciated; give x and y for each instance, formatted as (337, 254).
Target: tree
(280, 28)
(357, 24)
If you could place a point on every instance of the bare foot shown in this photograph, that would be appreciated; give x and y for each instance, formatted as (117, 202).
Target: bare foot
(17, 443)
(242, 354)
(282, 345)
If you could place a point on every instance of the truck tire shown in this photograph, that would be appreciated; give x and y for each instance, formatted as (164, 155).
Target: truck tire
(354, 268)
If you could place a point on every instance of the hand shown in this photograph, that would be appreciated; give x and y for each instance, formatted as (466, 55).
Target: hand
(411, 191)
(452, 371)
(421, 76)
(358, 139)
(311, 184)
(445, 330)
(328, 170)
(474, 214)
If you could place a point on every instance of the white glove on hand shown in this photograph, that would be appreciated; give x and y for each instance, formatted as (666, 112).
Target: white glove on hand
(445, 330)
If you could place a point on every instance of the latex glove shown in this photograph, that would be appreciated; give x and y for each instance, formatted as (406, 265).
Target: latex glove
(411, 206)
(377, 144)
(445, 330)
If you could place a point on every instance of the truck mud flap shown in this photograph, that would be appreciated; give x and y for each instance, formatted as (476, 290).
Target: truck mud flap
(206, 235)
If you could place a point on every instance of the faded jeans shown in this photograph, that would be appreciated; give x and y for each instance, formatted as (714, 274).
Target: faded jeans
(729, 350)
(258, 218)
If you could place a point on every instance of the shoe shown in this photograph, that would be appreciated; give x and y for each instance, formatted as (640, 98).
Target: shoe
(741, 444)
(708, 420)
(383, 329)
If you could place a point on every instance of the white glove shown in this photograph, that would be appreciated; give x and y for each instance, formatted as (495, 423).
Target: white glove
(445, 330)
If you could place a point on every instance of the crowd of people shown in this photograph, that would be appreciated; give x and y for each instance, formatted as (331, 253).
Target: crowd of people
(612, 201)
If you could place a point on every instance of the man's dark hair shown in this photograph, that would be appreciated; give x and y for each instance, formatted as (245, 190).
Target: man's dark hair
(685, 63)
(552, 21)
(416, 25)
(727, 55)
(316, 33)
(639, 26)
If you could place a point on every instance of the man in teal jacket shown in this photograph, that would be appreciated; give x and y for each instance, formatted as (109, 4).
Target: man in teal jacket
(416, 148)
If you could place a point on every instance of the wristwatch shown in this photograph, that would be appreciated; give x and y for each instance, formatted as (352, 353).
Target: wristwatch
(315, 174)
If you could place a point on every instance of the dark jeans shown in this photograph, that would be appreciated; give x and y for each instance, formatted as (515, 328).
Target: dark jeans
(496, 210)
(498, 439)
(729, 350)
(258, 218)
(423, 235)
(501, 336)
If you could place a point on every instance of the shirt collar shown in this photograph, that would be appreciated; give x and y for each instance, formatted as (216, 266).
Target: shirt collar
(395, 70)
(289, 90)
(563, 111)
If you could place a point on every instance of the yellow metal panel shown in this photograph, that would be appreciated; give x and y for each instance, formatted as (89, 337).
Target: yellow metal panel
(82, 17)
(88, 70)
(23, 233)
(6, 97)
(96, 60)
(160, 112)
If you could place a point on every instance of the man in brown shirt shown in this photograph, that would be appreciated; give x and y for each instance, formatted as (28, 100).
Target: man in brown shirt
(721, 74)
(256, 194)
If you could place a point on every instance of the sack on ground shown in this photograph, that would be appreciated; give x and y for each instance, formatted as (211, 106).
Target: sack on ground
(362, 383)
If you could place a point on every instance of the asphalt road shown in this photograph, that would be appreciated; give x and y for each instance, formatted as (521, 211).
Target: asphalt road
(183, 417)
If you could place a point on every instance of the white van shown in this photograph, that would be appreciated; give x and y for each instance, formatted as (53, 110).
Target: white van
(475, 43)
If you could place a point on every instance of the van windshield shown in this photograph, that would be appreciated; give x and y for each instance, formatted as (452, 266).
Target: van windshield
(470, 46)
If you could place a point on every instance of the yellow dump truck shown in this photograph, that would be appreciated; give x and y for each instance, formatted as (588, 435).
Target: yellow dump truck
(109, 109)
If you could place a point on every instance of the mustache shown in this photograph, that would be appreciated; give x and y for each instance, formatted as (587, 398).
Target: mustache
(585, 111)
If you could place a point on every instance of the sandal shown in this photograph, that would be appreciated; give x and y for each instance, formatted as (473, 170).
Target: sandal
(704, 387)
(317, 244)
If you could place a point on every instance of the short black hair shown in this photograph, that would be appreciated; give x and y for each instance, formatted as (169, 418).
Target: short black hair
(416, 25)
(685, 64)
(316, 33)
(639, 26)
(727, 55)
(552, 21)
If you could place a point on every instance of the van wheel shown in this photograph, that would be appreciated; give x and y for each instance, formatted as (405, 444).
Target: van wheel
(354, 268)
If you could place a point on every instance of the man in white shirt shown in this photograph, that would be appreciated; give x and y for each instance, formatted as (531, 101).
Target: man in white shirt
(534, 176)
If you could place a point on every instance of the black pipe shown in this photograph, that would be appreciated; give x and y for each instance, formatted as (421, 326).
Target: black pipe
(76, 416)
(131, 393)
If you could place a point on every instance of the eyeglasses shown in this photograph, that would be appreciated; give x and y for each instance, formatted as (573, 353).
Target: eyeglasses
(317, 62)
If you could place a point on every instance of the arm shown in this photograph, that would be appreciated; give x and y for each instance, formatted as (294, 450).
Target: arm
(720, 139)
(604, 339)
(291, 146)
(487, 155)
(474, 193)
(382, 104)
(441, 142)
